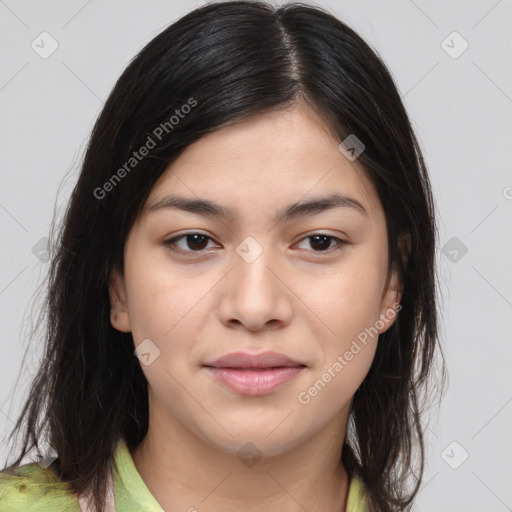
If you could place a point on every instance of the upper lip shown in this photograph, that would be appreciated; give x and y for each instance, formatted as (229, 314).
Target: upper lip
(246, 360)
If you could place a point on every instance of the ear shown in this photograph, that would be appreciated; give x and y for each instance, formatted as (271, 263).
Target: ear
(119, 317)
(390, 304)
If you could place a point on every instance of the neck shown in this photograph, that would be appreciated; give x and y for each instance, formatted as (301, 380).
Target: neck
(183, 472)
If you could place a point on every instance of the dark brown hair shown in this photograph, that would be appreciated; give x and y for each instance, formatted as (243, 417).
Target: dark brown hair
(229, 60)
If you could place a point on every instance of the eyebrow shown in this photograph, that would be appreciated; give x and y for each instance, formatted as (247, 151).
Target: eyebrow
(209, 208)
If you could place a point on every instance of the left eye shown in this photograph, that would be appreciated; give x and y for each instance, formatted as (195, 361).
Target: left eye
(323, 241)
(197, 242)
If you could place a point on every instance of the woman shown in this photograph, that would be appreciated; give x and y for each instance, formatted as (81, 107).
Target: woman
(242, 300)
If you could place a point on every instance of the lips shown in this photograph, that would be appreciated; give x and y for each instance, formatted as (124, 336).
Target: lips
(254, 374)
(246, 360)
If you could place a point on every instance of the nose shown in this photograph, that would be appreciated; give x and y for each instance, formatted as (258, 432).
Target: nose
(255, 294)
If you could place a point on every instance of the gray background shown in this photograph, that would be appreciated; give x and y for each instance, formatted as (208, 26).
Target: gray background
(460, 105)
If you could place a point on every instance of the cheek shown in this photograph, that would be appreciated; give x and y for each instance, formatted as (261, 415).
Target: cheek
(158, 299)
(152, 308)
(332, 388)
(348, 305)
(349, 341)
(170, 308)
(347, 301)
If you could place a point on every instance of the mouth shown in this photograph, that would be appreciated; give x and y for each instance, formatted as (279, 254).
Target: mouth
(254, 375)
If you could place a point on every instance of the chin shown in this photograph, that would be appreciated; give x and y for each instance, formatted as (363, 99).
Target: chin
(262, 441)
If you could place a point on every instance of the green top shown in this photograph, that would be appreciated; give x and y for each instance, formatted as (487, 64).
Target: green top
(32, 488)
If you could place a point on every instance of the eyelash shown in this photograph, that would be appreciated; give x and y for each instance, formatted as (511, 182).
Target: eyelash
(171, 242)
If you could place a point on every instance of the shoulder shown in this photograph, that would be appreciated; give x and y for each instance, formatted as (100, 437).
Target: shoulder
(356, 501)
(32, 488)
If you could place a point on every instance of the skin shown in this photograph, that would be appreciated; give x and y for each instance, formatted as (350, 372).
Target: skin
(295, 298)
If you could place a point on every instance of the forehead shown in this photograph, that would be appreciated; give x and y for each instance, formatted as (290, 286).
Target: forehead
(276, 157)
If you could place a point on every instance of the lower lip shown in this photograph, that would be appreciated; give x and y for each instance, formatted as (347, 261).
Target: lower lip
(255, 382)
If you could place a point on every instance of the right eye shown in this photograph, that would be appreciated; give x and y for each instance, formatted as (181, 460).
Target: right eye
(193, 242)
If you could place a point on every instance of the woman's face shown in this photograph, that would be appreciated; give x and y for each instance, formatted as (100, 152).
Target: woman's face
(251, 277)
